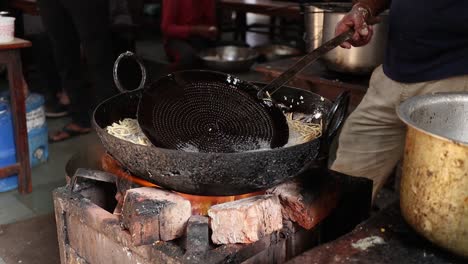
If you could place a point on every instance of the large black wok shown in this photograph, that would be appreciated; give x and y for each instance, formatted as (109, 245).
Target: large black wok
(217, 173)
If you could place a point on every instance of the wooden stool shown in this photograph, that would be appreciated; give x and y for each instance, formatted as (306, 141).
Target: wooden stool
(10, 55)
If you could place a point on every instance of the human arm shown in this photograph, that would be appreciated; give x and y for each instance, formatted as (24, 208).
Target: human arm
(360, 18)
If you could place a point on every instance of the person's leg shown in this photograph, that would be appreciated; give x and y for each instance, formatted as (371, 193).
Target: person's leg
(49, 78)
(66, 46)
(183, 54)
(41, 59)
(372, 140)
(91, 20)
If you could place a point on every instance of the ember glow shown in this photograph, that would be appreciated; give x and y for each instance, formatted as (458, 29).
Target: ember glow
(200, 204)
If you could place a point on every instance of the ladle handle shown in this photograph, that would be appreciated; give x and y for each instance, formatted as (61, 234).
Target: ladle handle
(301, 64)
(128, 54)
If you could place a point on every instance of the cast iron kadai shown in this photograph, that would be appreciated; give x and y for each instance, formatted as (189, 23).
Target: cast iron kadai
(220, 174)
(214, 112)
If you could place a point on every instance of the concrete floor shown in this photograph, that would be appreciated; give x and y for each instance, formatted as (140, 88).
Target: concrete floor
(46, 177)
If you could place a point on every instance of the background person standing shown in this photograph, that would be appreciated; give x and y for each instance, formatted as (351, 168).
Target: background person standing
(73, 25)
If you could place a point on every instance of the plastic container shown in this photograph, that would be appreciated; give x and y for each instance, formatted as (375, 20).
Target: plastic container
(7, 146)
(37, 137)
(7, 29)
(37, 129)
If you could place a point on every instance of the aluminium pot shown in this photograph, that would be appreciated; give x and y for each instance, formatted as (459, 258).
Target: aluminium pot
(313, 19)
(321, 20)
(434, 184)
(229, 58)
(273, 52)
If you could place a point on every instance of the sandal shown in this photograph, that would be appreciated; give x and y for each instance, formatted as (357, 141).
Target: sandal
(69, 133)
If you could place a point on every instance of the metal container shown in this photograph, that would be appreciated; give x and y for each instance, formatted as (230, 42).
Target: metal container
(272, 52)
(313, 18)
(434, 184)
(229, 58)
(357, 60)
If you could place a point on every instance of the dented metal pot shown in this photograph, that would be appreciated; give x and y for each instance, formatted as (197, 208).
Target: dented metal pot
(434, 184)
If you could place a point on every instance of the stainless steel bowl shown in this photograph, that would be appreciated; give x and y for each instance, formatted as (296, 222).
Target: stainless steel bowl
(229, 58)
(443, 115)
(273, 52)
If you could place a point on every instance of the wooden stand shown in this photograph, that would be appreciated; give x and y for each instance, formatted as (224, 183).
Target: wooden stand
(10, 55)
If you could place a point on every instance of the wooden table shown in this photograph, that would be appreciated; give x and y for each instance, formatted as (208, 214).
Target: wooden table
(26, 6)
(316, 78)
(270, 8)
(10, 55)
(264, 7)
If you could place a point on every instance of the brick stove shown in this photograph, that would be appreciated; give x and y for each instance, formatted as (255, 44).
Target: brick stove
(104, 222)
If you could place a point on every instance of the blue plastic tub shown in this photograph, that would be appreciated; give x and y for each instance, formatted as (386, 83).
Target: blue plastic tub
(37, 129)
(7, 146)
(37, 137)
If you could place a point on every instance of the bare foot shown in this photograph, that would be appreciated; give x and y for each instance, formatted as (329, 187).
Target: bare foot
(63, 98)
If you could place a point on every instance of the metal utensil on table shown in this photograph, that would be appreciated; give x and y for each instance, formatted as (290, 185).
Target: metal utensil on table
(228, 58)
(272, 52)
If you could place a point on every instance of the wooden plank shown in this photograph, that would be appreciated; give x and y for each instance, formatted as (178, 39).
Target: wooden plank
(18, 109)
(17, 43)
(9, 170)
(265, 7)
(26, 6)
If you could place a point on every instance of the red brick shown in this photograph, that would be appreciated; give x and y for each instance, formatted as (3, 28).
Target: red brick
(197, 238)
(246, 220)
(152, 214)
(305, 207)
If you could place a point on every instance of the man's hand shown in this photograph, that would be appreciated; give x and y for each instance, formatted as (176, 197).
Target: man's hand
(359, 19)
(210, 32)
